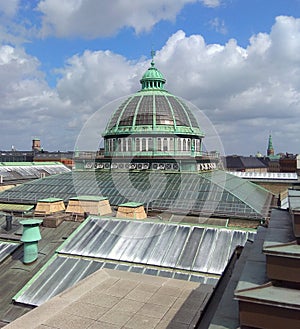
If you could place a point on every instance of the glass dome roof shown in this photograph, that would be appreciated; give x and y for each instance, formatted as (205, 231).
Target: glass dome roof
(153, 110)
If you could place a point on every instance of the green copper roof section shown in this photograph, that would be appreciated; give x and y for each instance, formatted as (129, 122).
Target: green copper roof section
(270, 143)
(153, 110)
(89, 198)
(131, 204)
(152, 79)
(50, 200)
(270, 150)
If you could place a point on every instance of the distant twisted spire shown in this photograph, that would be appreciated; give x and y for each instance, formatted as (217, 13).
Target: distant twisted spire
(270, 150)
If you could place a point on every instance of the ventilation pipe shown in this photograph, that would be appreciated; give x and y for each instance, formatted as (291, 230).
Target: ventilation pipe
(8, 219)
(31, 235)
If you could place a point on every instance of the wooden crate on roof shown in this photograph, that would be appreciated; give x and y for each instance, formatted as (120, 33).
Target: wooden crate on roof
(94, 205)
(131, 210)
(49, 206)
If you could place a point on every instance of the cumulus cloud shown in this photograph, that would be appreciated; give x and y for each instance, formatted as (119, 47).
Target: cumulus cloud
(91, 19)
(249, 91)
(245, 92)
(28, 106)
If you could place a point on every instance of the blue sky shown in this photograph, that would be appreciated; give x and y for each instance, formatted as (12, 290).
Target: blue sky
(236, 60)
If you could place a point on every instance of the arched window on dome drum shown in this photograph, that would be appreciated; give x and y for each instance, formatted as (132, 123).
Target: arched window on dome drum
(159, 144)
(165, 145)
(171, 144)
(184, 145)
(119, 144)
(129, 144)
(124, 145)
(144, 144)
(179, 148)
(188, 144)
(113, 144)
(137, 145)
(150, 144)
(197, 145)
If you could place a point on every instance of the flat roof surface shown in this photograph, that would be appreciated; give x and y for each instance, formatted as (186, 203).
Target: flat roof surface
(116, 299)
(269, 294)
(280, 230)
(89, 198)
(291, 250)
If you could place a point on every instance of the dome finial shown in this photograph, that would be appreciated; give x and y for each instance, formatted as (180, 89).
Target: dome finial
(152, 79)
(152, 55)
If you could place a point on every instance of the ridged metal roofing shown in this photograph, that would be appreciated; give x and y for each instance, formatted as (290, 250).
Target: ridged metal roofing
(7, 248)
(192, 253)
(189, 248)
(216, 193)
(19, 171)
(153, 111)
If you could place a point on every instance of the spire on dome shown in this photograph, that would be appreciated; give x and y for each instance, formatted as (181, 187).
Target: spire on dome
(152, 78)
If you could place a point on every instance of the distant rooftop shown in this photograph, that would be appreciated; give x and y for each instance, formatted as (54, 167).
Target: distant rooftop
(266, 175)
(15, 171)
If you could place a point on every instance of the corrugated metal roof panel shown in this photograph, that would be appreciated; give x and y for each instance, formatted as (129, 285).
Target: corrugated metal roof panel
(6, 249)
(157, 244)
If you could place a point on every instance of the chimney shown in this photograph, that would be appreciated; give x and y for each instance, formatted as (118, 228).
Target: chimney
(36, 144)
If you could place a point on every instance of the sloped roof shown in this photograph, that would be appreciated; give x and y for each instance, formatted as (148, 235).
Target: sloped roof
(11, 171)
(211, 193)
(242, 162)
(190, 253)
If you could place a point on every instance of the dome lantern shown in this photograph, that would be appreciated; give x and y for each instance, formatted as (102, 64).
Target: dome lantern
(153, 79)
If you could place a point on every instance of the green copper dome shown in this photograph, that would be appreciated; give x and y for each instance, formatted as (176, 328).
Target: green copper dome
(153, 110)
(152, 78)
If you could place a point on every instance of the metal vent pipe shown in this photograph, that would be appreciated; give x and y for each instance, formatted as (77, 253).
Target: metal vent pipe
(31, 235)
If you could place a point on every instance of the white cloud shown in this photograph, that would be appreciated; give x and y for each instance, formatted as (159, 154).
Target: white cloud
(245, 92)
(91, 19)
(211, 3)
(28, 106)
(9, 8)
(242, 90)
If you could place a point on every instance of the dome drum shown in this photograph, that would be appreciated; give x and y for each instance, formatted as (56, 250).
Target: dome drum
(153, 146)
